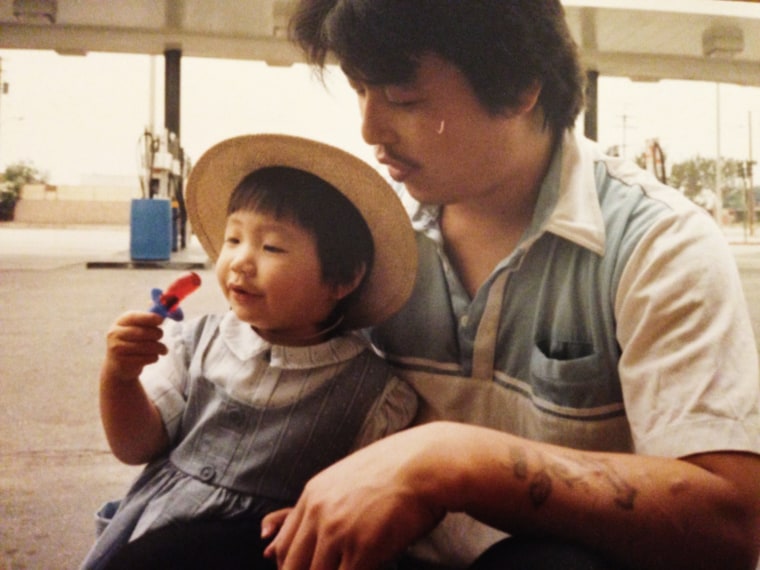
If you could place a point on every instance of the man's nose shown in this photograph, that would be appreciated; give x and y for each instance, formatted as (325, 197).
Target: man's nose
(376, 124)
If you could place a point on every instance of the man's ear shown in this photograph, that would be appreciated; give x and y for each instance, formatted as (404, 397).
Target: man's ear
(528, 99)
(343, 290)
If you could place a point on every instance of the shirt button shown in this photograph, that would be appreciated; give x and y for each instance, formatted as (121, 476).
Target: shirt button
(207, 473)
(463, 321)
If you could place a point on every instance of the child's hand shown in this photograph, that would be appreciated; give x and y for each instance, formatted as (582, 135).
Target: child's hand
(133, 342)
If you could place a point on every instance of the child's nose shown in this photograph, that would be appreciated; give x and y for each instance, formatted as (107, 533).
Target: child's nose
(243, 262)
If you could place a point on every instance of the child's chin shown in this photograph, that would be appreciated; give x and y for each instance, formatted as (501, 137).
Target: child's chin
(247, 317)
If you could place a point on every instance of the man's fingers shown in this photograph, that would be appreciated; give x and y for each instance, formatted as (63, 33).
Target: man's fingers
(272, 522)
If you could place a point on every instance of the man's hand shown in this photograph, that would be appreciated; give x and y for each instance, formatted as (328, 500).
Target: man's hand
(365, 510)
(368, 508)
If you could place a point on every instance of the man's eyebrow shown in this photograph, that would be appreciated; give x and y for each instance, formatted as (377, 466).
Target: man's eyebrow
(406, 84)
(355, 78)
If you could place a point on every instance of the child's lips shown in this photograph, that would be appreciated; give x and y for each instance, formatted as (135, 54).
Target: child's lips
(242, 292)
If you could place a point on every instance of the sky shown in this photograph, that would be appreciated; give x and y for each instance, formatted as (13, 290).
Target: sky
(80, 119)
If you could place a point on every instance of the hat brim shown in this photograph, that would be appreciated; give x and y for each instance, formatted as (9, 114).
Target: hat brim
(223, 166)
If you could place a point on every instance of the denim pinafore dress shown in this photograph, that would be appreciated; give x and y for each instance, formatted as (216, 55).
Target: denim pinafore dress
(236, 460)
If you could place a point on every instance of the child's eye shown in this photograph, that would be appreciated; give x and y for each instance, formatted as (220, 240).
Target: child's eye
(271, 248)
(231, 240)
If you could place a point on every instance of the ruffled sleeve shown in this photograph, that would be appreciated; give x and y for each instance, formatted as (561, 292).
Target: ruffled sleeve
(394, 410)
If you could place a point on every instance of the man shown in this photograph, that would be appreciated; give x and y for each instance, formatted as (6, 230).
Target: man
(578, 333)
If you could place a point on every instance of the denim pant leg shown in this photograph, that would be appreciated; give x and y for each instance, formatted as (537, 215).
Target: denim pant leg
(540, 554)
(197, 545)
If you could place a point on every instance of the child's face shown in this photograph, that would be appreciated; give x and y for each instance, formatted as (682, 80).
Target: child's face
(270, 274)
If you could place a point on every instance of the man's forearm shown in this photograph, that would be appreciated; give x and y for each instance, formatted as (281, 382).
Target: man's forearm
(645, 512)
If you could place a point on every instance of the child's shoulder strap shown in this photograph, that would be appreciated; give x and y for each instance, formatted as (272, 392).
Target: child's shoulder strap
(197, 334)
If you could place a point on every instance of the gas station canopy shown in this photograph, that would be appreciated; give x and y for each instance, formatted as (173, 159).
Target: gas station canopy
(708, 40)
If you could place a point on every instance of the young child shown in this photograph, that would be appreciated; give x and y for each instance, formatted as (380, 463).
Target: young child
(242, 409)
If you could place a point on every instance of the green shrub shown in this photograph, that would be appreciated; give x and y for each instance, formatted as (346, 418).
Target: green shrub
(11, 183)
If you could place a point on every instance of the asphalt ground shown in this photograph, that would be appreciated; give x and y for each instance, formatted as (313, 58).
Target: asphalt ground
(55, 467)
(60, 289)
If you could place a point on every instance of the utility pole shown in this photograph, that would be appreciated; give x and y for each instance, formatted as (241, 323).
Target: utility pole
(625, 126)
(750, 181)
(624, 144)
(2, 92)
(718, 173)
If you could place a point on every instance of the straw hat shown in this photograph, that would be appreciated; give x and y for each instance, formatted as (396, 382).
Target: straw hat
(223, 166)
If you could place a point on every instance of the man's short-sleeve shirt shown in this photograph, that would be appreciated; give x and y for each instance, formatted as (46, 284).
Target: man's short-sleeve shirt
(618, 323)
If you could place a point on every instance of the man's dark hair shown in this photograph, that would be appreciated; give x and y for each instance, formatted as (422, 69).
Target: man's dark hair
(344, 242)
(503, 47)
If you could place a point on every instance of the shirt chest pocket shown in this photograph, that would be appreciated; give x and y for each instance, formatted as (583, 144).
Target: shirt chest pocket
(572, 375)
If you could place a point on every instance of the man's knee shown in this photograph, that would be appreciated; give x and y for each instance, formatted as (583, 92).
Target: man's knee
(540, 554)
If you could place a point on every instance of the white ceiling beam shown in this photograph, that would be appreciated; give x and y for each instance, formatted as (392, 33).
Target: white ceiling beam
(71, 39)
(656, 67)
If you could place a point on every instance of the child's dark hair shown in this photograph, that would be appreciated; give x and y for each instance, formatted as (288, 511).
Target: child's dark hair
(343, 239)
(503, 47)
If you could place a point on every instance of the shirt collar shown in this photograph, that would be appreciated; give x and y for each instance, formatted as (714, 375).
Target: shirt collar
(577, 214)
(246, 344)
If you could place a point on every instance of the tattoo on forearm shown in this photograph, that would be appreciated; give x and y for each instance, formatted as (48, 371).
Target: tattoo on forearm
(519, 463)
(540, 483)
(625, 494)
(540, 488)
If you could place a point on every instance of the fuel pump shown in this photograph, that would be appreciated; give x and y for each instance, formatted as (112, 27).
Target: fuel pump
(164, 168)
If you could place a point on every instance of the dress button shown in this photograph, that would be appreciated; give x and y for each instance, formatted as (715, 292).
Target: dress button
(207, 473)
(236, 418)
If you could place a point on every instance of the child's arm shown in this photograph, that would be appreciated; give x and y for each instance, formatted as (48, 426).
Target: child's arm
(132, 423)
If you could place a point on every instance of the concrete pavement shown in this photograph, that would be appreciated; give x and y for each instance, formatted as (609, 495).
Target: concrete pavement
(55, 467)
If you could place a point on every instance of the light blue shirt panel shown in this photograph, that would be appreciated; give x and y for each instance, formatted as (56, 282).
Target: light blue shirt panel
(559, 300)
